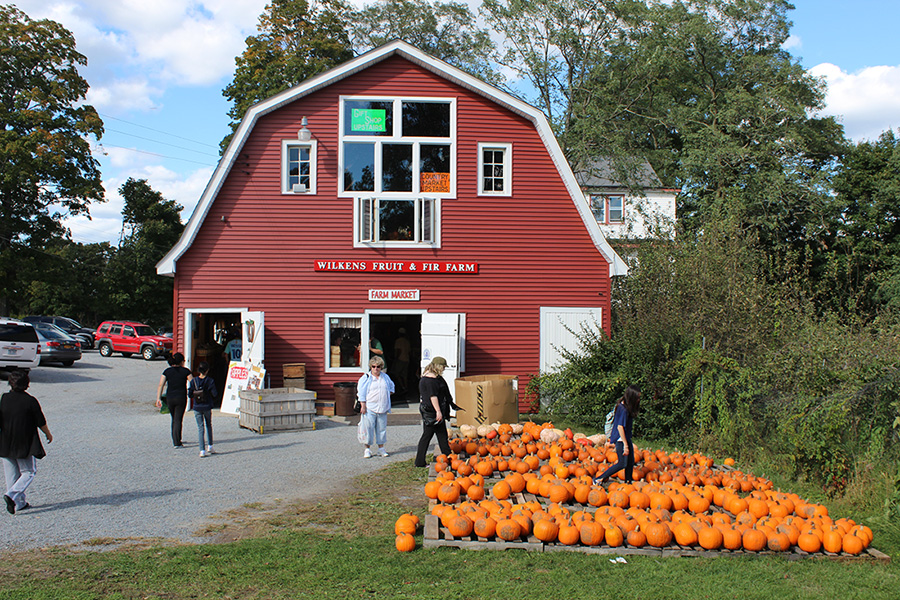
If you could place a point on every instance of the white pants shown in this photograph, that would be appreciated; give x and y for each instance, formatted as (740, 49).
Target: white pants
(376, 428)
(19, 475)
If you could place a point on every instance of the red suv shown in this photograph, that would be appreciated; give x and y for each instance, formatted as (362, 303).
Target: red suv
(130, 338)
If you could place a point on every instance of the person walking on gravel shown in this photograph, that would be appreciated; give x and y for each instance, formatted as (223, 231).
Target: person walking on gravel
(175, 379)
(20, 419)
(203, 392)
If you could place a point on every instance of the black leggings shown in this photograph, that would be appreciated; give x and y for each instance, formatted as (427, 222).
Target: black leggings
(624, 462)
(428, 432)
(177, 407)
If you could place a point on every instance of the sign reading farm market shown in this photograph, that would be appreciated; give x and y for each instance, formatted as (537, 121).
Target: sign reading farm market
(387, 266)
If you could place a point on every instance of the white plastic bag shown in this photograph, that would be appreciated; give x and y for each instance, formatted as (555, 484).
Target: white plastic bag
(362, 433)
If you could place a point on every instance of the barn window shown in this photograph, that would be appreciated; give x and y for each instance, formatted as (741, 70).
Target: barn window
(343, 334)
(397, 159)
(298, 167)
(494, 169)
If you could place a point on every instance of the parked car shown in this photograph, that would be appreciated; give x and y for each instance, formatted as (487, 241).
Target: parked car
(19, 345)
(57, 345)
(85, 335)
(130, 337)
(166, 331)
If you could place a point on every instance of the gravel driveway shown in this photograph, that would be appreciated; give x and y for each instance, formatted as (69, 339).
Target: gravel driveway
(111, 470)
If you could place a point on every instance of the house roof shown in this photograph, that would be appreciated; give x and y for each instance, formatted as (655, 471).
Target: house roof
(601, 174)
(167, 265)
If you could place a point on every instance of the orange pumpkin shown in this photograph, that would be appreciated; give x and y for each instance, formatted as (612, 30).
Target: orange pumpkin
(546, 530)
(568, 535)
(809, 542)
(591, 533)
(658, 535)
(754, 540)
(779, 542)
(509, 530)
(614, 536)
(449, 492)
(485, 527)
(405, 525)
(685, 535)
(405, 542)
(731, 539)
(852, 544)
(710, 538)
(501, 490)
(636, 538)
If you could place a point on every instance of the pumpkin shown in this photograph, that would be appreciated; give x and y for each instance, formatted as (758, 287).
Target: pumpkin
(809, 542)
(449, 492)
(636, 538)
(698, 504)
(731, 539)
(485, 527)
(852, 544)
(508, 529)
(658, 535)
(405, 525)
(685, 535)
(614, 536)
(432, 488)
(568, 535)
(710, 538)
(405, 543)
(475, 492)
(597, 497)
(754, 540)
(501, 490)
(779, 542)
(460, 526)
(591, 533)
(546, 530)
(833, 541)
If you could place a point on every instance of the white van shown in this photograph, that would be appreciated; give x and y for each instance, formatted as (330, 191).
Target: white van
(19, 345)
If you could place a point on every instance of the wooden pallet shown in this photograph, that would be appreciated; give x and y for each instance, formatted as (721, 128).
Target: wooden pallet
(436, 535)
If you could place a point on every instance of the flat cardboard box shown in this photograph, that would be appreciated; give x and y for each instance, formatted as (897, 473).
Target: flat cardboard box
(487, 399)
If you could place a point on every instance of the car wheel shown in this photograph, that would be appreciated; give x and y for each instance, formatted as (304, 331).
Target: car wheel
(127, 354)
(148, 353)
(68, 363)
(105, 350)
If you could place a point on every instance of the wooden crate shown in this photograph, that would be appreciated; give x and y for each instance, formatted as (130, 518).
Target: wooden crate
(295, 382)
(277, 409)
(294, 370)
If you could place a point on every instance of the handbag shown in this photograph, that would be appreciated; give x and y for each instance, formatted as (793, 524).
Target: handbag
(356, 406)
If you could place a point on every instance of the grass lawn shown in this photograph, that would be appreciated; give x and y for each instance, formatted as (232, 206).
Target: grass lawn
(343, 548)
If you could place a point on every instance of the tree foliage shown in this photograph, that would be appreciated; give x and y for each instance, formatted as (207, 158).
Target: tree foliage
(296, 39)
(46, 168)
(445, 30)
(151, 226)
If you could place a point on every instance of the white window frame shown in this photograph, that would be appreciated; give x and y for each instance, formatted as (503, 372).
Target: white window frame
(420, 198)
(507, 168)
(609, 200)
(286, 145)
(326, 342)
(369, 204)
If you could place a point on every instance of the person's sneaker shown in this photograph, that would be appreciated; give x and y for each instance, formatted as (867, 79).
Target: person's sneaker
(203, 454)
(209, 450)
(382, 452)
(367, 453)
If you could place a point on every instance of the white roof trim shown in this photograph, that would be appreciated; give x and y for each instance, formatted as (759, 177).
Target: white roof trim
(168, 264)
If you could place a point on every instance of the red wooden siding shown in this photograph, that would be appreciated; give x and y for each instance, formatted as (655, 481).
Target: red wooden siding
(532, 248)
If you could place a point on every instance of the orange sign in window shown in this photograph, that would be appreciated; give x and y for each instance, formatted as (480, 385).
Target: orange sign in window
(435, 183)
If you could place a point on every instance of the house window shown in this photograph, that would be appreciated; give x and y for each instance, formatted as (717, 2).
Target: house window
(608, 209)
(343, 334)
(494, 169)
(298, 167)
(397, 158)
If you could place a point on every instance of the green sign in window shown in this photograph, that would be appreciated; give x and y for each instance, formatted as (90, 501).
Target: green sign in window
(368, 119)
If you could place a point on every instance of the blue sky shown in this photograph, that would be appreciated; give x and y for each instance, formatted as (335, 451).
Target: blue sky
(156, 71)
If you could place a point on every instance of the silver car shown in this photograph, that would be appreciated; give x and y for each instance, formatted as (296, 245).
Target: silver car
(57, 345)
(19, 345)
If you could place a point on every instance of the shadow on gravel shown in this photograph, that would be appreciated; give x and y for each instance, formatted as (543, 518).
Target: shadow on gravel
(108, 500)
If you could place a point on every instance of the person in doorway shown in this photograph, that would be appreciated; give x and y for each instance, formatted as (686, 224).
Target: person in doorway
(375, 347)
(374, 391)
(175, 379)
(434, 405)
(203, 393)
(400, 365)
(20, 419)
(234, 347)
(626, 410)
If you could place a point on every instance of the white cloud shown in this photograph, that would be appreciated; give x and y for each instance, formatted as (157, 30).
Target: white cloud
(792, 43)
(867, 102)
(123, 95)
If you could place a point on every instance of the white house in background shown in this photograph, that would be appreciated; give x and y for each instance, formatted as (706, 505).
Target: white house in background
(623, 215)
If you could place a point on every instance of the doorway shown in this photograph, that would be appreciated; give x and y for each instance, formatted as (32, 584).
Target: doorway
(400, 338)
(209, 338)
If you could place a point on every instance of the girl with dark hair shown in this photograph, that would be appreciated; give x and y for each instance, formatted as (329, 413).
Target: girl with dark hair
(203, 393)
(20, 418)
(176, 379)
(626, 410)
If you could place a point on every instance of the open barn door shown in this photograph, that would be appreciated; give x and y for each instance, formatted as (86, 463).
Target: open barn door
(443, 334)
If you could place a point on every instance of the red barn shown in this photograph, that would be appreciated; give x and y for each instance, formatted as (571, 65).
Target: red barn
(394, 192)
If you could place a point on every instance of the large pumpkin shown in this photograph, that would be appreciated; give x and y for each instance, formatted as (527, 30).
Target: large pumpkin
(546, 530)
(509, 530)
(754, 540)
(449, 492)
(591, 533)
(658, 535)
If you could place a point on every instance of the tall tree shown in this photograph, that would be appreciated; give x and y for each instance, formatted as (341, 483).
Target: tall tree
(47, 171)
(445, 30)
(151, 225)
(297, 39)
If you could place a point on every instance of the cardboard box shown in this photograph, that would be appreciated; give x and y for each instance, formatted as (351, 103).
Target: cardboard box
(487, 399)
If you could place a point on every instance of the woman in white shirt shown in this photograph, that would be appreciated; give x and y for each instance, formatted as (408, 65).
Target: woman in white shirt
(374, 391)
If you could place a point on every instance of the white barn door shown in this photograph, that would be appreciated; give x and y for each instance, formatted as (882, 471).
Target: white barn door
(442, 335)
(559, 329)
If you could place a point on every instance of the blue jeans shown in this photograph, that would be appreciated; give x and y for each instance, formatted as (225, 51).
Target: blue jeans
(19, 475)
(624, 462)
(376, 428)
(204, 416)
